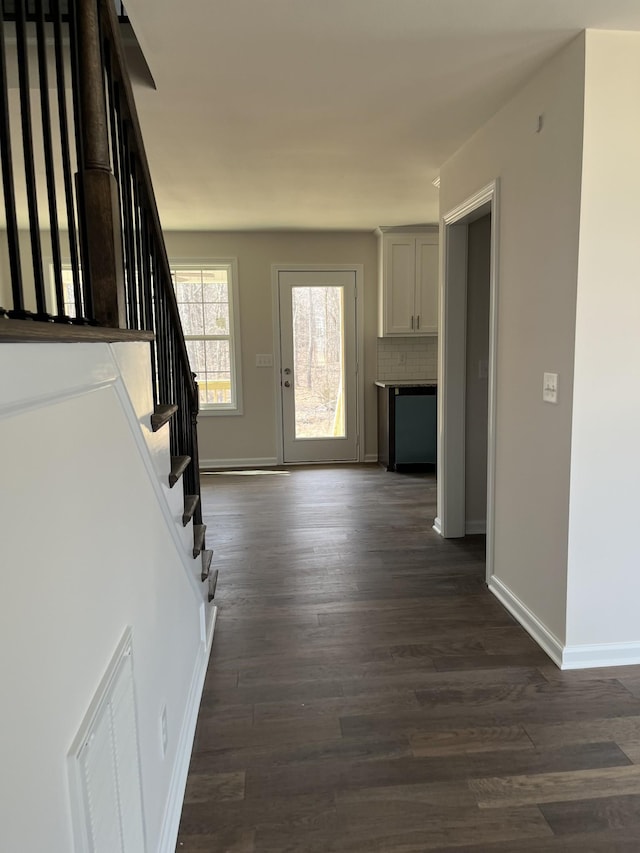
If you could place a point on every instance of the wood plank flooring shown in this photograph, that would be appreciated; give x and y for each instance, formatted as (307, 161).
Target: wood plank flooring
(366, 693)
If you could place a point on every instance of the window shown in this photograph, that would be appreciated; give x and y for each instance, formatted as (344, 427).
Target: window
(208, 305)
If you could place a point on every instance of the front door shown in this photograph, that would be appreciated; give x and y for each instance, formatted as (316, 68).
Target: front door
(318, 390)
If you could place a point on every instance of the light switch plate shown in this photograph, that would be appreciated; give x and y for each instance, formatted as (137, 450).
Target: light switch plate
(550, 388)
(264, 360)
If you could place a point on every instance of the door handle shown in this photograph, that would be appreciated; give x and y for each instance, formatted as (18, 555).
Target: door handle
(287, 384)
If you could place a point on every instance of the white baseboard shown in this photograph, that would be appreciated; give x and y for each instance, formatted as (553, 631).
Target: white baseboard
(258, 462)
(472, 528)
(605, 654)
(437, 526)
(178, 783)
(370, 457)
(545, 638)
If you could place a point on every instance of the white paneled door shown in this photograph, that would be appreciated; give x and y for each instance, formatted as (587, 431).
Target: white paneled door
(318, 388)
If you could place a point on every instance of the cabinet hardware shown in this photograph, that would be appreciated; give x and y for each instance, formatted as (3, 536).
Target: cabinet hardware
(418, 324)
(412, 322)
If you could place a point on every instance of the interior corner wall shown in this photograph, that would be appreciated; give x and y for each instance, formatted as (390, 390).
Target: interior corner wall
(252, 435)
(539, 171)
(604, 554)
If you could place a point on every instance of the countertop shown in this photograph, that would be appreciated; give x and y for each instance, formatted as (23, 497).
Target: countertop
(406, 383)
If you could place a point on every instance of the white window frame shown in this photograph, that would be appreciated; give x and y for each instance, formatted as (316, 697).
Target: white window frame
(231, 267)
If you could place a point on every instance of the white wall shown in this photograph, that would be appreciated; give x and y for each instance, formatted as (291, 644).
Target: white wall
(476, 402)
(604, 550)
(252, 436)
(538, 232)
(86, 551)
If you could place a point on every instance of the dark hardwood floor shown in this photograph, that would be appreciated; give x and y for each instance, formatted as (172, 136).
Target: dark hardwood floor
(366, 692)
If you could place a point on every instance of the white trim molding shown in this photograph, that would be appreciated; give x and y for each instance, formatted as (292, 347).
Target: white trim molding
(452, 366)
(604, 654)
(370, 457)
(178, 783)
(437, 525)
(358, 270)
(543, 636)
(235, 338)
(474, 527)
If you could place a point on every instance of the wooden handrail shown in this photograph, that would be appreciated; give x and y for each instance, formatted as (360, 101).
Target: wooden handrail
(110, 32)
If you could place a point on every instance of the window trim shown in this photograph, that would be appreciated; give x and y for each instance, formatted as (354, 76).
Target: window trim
(231, 265)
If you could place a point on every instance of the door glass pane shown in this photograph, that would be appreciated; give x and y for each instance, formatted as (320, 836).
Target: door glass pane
(318, 361)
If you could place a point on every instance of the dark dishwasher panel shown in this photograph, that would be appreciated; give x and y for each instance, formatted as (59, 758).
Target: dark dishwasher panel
(416, 419)
(407, 427)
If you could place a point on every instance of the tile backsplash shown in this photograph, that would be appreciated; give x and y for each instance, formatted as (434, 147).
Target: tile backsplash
(407, 358)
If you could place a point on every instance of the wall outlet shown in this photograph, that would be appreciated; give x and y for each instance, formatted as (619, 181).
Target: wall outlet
(164, 736)
(402, 358)
(550, 388)
(264, 360)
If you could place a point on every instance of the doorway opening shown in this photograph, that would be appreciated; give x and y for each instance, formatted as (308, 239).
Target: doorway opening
(468, 365)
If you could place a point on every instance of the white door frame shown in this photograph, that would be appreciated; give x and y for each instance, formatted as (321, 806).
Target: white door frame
(358, 269)
(450, 521)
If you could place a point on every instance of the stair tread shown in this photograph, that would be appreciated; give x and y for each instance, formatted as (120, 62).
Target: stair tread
(199, 531)
(213, 580)
(162, 414)
(190, 504)
(178, 466)
(207, 557)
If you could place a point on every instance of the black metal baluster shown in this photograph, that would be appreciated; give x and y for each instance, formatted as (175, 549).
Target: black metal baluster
(160, 342)
(115, 131)
(18, 312)
(87, 291)
(45, 110)
(163, 343)
(127, 213)
(137, 232)
(184, 421)
(149, 300)
(66, 161)
(194, 408)
(29, 165)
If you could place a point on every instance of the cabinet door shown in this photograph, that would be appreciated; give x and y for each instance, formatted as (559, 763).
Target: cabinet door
(426, 301)
(399, 276)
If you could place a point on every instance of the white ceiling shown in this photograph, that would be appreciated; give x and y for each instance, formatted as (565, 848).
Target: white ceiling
(331, 114)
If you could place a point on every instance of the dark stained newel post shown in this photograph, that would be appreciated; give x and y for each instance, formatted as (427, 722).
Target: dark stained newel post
(104, 261)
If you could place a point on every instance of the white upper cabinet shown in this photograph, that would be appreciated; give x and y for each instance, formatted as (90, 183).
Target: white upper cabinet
(408, 286)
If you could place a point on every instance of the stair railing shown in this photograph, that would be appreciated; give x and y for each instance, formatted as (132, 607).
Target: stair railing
(101, 208)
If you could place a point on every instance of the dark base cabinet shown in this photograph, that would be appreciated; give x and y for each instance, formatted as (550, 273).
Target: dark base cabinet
(407, 427)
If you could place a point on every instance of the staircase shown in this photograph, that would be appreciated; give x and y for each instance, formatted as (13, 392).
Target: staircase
(161, 417)
(101, 218)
